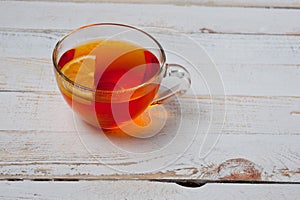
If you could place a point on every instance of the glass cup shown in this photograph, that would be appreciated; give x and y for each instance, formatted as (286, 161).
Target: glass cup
(111, 73)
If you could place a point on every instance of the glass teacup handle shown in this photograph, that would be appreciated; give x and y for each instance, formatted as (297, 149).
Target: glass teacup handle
(179, 86)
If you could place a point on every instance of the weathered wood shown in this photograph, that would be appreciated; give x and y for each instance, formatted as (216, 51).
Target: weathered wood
(60, 15)
(230, 3)
(23, 111)
(39, 138)
(272, 159)
(257, 54)
(25, 66)
(143, 190)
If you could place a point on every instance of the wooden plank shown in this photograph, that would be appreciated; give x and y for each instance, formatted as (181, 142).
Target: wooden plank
(244, 114)
(275, 158)
(143, 190)
(229, 3)
(249, 65)
(61, 15)
(39, 139)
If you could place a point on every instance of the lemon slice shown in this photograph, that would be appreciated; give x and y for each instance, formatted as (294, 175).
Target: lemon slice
(81, 71)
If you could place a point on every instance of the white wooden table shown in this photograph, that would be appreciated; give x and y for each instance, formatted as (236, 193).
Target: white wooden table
(256, 48)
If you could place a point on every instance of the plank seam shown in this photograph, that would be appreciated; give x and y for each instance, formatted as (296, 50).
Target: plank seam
(60, 32)
(195, 181)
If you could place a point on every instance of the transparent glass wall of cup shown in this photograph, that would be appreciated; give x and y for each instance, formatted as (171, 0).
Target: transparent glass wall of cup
(111, 107)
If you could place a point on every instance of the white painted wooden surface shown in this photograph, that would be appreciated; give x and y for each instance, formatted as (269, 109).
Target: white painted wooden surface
(229, 3)
(257, 53)
(49, 15)
(142, 190)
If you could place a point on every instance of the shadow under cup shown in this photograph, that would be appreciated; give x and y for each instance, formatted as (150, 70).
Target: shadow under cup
(110, 73)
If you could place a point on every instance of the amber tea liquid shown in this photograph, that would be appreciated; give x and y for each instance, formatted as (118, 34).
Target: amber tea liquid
(123, 75)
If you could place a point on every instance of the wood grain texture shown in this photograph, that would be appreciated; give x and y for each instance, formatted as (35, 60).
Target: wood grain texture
(142, 190)
(268, 160)
(40, 141)
(60, 15)
(25, 111)
(229, 3)
(250, 65)
(257, 54)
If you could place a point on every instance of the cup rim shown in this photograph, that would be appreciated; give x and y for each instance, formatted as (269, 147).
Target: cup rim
(55, 52)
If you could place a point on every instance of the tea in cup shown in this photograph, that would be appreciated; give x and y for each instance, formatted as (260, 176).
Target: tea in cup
(111, 73)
